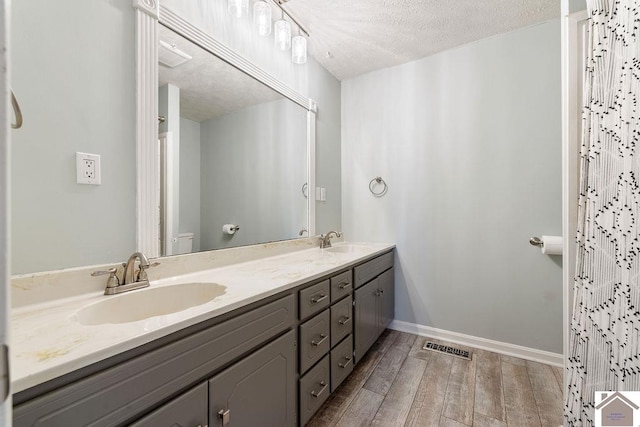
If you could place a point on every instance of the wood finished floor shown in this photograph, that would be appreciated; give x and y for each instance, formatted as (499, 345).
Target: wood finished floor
(398, 383)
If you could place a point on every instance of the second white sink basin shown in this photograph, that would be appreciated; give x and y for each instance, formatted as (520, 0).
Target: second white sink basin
(348, 248)
(149, 302)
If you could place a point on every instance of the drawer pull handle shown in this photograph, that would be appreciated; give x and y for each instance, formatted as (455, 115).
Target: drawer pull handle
(225, 416)
(344, 320)
(344, 285)
(324, 387)
(323, 338)
(316, 300)
(345, 364)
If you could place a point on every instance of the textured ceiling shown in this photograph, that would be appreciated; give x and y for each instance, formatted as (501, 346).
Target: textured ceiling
(353, 37)
(209, 87)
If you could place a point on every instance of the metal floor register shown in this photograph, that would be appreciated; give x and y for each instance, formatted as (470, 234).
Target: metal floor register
(463, 354)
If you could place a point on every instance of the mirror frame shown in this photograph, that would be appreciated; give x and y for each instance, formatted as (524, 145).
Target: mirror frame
(150, 14)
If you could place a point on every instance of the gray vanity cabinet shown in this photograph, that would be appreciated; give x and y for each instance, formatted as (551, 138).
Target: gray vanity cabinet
(272, 363)
(189, 409)
(130, 389)
(259, 390)
(374, 301)
(366, 317)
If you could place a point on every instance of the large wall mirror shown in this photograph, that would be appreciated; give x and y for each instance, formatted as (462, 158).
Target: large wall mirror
(241, 157)
(234, 153)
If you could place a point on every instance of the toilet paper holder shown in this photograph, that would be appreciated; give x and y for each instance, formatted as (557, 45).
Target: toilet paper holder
(536, 241)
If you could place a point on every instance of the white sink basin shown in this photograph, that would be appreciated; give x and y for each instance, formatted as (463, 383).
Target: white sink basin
(348, 248)
(149, 302)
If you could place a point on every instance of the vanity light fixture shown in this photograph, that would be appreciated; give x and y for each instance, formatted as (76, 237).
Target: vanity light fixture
(299, 50)
(262, 17)
(238, 8)
(282, 34)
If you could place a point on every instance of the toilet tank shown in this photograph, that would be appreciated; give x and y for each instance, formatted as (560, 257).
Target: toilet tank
(185, 243)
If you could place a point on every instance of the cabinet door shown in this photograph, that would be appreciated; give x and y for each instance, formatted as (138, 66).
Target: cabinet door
(187, 410)
(366, 329)
(260, 390)
(387, 300)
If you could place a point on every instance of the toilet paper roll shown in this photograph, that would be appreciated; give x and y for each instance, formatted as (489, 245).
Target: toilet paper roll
(551, 245)
(229, 228)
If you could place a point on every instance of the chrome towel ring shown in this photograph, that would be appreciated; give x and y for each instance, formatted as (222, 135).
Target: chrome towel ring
(376, 182)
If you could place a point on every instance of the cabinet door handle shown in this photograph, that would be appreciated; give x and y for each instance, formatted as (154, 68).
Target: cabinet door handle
(344, 320)
(323, 338)
(316, 300)
(345, 364)
(324, 387)
(379, 292)
(343, 285)
(224, 415)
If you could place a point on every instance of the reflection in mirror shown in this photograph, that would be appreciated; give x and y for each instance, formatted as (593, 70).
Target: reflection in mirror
(234, 153)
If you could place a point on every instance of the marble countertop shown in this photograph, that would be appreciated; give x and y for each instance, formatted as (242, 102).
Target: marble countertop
(47, 341)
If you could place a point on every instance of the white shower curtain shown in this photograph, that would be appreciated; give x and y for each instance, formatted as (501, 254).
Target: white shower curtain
(605, 331)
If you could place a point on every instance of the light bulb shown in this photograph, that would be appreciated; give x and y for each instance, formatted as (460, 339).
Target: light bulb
(238, 8)
(282, 34)
(299, 50)
(262, 17)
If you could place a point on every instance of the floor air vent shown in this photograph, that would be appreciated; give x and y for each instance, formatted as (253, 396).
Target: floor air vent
(463, 354)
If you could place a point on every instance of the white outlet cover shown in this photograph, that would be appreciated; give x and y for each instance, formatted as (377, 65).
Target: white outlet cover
(88, 168)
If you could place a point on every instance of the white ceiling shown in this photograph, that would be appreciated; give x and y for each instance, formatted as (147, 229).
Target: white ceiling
(353, 37)
(209, 87)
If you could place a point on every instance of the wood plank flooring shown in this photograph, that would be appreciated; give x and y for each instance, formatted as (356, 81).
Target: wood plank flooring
(399, 384)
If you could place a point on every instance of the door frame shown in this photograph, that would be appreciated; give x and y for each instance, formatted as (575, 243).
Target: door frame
(571, 136)
(5, 156)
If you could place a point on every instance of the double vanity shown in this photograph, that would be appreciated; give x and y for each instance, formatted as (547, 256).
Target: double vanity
(263, 338)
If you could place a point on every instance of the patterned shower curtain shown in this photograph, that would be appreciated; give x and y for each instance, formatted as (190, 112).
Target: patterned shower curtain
(604, 351)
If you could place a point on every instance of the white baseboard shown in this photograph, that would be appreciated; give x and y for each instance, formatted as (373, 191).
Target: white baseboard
(527, 353)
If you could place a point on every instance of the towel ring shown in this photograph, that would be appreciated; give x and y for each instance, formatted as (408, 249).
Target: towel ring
(378, 180)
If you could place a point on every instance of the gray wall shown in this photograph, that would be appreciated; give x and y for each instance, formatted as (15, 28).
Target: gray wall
(247, 176)
(310, 79)
(74, 76)
(190, 179)
(469, 141)
(576, 5)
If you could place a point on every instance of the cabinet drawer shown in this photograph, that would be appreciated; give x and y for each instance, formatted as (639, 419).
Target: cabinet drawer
(341, 285)
(314, 340)
(121, 393)
(341, 362)
(314, 390)
(370, 269)
(341, 320)
(313, 299)
(189, 409)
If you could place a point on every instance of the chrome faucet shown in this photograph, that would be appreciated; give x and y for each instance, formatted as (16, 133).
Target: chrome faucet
(130, 267)
(130, 280)
(324, 239)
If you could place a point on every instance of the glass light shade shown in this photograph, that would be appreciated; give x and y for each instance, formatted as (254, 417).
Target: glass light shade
(299, 50)
(262, 17)
(282, 34)
(238, 8)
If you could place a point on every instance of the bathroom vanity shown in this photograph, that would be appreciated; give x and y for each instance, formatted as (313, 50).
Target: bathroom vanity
(271, 357)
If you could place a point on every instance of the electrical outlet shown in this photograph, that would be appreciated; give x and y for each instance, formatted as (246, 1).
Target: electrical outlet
(88, 168)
